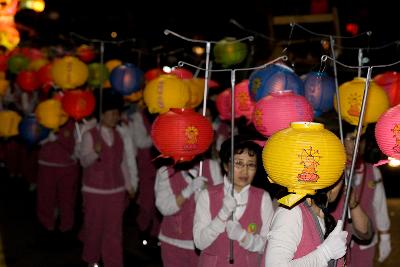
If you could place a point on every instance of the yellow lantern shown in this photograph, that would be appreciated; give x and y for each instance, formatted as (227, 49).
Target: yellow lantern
(69, 72)
(4, 84)
(50, 114)
(165, 92)
(196, 92)
(112, 63)
(351, 95)
(135, 96)
(37, 64)
(9, 121)
(304, 157)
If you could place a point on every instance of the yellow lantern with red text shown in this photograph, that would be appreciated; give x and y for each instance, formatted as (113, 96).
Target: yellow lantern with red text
(303, 158)
(69, 72)
(196, 92)
(351, 96)
(50, 114)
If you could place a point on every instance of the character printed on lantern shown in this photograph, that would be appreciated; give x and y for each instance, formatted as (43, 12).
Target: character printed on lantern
(310, 159)
(354, 101)
(258, 117)
(160, 90)
(192, 134)
(396, 134)
(256, 85)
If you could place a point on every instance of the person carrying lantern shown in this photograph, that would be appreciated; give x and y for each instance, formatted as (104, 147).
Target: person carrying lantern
(242, 216)
(107, 156)
(370, 196)
(176, 189)
(303, 232)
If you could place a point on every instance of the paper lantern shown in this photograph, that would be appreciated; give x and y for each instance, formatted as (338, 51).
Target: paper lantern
(277, 110)
(4, 84)
(153, 73)
(28, 80)
(16, 63)
(9, 35)
(192, 134)
(182, 73)
(351, 95)
(387, 133)
(390, 82)
(50, 114)
(126, 79)
(69, 72)
(244, 106)
(112, 63)
(319, 89)
(165, 92)
(86, 53)
(304, 157)
(78, 103)
(274, 78)
(98, 74)
(229, 51)
(9, 121)
(44, 74)
(31, 131)
(134, 97)
(196, 92)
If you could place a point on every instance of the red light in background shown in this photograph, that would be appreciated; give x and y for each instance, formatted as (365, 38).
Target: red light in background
(352, 28)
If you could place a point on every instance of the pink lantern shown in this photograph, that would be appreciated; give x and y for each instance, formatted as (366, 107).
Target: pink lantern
(276, 111)
(390, 82)
(244, 105)
(387, 133)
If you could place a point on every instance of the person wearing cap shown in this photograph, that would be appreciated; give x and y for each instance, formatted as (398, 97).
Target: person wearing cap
(107, 156)
(241, 216)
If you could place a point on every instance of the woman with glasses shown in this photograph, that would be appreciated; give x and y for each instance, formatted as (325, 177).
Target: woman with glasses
(242, 214)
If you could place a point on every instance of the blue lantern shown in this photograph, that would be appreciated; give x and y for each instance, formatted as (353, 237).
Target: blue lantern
(126, 79)
(274, 78)
(31, 131)
(319, 90)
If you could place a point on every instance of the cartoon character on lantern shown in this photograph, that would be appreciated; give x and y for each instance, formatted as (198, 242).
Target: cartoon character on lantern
(310, 160)
(396, 135)
(354, 109)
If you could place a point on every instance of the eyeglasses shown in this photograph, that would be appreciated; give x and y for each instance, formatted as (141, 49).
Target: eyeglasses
(240, 165)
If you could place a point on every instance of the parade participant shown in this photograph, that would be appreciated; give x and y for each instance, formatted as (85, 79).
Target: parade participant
(107, 156)
(251, 207)
(176, 189)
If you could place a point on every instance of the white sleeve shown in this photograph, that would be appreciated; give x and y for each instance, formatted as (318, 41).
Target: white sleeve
(165, 198)
(216, 173)
(129, 164)
(141, 137)
(87, 153)
(267, 212)
(205, 230)
(284, 238)
(379, 203)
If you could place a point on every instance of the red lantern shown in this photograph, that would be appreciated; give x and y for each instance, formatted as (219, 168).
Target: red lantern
(182, 73)
(44, 74)
(152, 74)
(86, 53)
(390, 82)
(78, 103)
(3, 62)
(181, 134)
(28, 80)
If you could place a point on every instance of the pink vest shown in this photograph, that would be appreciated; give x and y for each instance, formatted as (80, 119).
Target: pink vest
(105, 173)
(365, 191)
(217, 254)
(180, 225)
(62, 149)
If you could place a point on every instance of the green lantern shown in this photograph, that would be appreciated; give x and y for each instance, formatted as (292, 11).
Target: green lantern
(229, 52)
(98, 73)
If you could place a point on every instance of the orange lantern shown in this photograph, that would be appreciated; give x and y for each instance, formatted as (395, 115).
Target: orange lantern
(9, 121)
(192, 134)
(78, 103)
(86, 53)
(50, 114)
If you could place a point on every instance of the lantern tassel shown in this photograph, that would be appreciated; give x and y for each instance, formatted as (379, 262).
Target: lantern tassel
(291, 199)
(381, 162)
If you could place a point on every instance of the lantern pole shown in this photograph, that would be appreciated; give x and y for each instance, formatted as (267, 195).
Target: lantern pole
(360, 61)
(101, 79)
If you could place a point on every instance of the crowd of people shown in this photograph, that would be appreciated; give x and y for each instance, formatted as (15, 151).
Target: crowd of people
(224, 214)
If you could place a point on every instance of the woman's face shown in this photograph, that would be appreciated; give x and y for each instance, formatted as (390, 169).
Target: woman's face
(349, 143)
(245, 168)
(110, 118)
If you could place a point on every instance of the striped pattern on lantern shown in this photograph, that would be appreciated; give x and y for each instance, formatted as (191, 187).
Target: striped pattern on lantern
(387, 132)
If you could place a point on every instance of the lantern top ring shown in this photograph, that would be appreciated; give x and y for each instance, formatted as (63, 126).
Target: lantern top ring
(307, 125)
